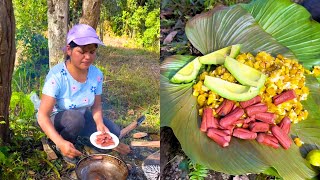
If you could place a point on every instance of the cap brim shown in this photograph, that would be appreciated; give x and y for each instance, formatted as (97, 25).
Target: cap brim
(87, 40)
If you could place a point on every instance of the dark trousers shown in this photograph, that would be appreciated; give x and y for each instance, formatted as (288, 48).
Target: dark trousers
(73, 123)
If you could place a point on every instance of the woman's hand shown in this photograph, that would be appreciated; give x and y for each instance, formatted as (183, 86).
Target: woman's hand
(67, 149)
(102, 128)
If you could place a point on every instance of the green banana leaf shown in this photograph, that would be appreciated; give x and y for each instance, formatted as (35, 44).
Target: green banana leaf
(211, 31)
(290, 24)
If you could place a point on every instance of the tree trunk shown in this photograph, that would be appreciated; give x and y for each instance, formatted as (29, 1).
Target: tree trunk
(7, 58)
(91, 12)
(57, 29)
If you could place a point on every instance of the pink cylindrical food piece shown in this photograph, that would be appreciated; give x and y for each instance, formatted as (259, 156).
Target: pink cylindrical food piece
(203, 127)
(267, 140)
(245, 125)
(282, 137)
(266, 117)
(228, 131)
(217, 131)
(212, 122)
(250, 102)
(225, 107)
(252, 110)
(285, 125)
(244, 134)
(250, 119)
(220, 140)
(231, 117)
(283, 97)
(259, 127)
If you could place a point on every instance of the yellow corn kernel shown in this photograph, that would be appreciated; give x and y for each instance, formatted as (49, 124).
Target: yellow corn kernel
(286, 78)
(211, 98)
(305, 90)
(201, 100)
(271, 107)
(298, 92)
(220, 70)
(213, 73)
(301, 83)
(293, 71)
(271, 89)
(256, 65)
(279, 56)
(195, 93)
(280, 111)
(204, 88)
(308, 71)
(200, 111)
(293, 116)
(279, 119)
(202, 75)
(250, 56)
(268, 64)
(316, 71)
(242, 61)
(241, 57)
(304, 114)
(231, 79)
(198, 86)
(249, 63)
(298, 142)
(225, 76)
(279, 84)
(262, 65)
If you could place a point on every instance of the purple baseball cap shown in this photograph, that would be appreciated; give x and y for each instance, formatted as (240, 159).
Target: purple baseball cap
(83, 34)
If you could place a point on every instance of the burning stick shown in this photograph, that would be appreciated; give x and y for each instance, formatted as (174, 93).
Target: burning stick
(250, 102)
(283, 97)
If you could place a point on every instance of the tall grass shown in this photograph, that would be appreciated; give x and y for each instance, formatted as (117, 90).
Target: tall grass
(131, 85)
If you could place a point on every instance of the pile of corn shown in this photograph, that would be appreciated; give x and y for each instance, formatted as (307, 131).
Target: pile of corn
(283, 74)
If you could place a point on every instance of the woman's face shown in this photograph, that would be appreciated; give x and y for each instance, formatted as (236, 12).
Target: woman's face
(82, 56)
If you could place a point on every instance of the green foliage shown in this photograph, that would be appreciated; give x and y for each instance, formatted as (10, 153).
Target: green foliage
(197, 171)
(135, 19)
(151, 35)
(30, 15)
(24, 159)
(22, 117)
(131, 80)
(21, 105)
(27, 164)
(32, 55)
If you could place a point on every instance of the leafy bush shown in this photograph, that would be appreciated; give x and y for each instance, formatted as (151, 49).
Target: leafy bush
(135, 19)
(197, 171)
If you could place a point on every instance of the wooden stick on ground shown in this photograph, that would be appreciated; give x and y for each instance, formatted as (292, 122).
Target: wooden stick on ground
(51, 155)
(146, 143)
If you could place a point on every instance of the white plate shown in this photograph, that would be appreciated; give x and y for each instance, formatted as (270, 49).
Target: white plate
(93, 138)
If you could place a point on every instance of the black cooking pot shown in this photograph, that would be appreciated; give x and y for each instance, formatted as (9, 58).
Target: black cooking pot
(101, 167)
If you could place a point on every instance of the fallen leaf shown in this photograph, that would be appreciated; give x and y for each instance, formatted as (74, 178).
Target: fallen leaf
(170, 37)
